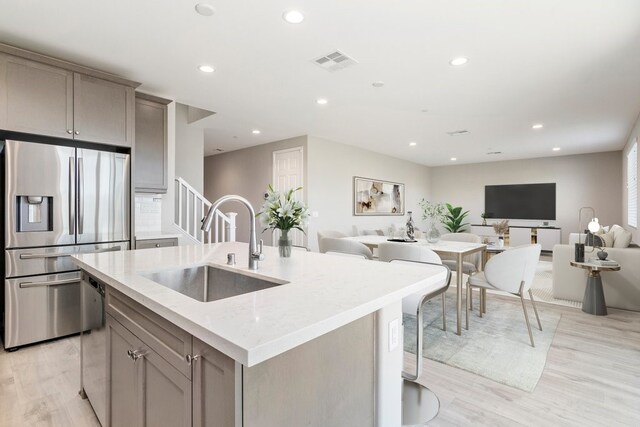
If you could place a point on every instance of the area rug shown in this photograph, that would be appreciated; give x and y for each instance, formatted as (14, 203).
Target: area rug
(496, 346)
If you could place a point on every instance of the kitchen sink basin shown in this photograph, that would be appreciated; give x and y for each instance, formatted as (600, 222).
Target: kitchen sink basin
(208, 283)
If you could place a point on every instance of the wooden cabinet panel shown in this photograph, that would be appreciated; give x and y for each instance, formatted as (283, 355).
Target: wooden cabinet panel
(215, 403)
(151, 147)
(35, 98)
(103, 111)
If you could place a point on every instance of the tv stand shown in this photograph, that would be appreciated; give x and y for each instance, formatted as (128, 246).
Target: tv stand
(518, 235)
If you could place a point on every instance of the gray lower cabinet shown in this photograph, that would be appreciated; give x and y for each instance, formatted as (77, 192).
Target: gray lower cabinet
(43, 99)
(145, 389)
(214, 376)
(156, 243)
(150, 162)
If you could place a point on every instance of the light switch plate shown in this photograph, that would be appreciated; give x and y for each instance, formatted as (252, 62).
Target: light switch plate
(394, 334)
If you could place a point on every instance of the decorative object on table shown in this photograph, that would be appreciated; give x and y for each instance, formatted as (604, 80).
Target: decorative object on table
(377, 197)
(579, 256)
(410, 228)
(483, 215)
(592, 227)
(452, 220)
(602, 254)
(501, 227)
(432, 212)
(282, 212)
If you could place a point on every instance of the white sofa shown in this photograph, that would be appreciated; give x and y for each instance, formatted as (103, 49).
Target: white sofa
(621, 288)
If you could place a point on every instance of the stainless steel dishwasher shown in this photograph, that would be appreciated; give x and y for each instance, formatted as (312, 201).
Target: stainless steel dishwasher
(93, 375)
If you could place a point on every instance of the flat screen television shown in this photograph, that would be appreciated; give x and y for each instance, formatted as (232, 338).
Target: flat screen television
(520, 201)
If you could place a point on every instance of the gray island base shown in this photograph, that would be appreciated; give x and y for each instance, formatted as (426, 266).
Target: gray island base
(313, 350)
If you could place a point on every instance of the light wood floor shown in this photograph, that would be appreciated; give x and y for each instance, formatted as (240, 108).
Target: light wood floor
(592, 378)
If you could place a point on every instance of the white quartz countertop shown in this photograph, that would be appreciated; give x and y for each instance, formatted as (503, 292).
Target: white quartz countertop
(325, 292)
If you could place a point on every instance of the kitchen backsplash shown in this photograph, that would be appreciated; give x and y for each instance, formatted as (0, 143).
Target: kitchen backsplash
(148, 213)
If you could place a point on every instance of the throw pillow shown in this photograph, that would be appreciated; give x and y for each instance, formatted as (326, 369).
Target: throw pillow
(621, 237)
(608, 240)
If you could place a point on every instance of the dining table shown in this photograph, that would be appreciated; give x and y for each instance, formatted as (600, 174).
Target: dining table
(459, 250)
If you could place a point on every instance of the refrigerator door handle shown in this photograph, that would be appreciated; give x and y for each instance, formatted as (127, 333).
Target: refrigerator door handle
(38, 256)
(49, 283)
(80, 195)
(72, 208)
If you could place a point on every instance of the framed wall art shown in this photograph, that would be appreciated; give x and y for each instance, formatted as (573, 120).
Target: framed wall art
(377, 197)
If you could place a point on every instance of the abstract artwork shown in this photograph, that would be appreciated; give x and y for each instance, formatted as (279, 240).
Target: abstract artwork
(377, 197)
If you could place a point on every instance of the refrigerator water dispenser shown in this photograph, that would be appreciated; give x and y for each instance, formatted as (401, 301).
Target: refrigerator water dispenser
(35, 213)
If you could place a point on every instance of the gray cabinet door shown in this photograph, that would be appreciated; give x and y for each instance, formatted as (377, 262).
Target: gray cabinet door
(156, 243)
(124, 379)
(103, 111)
(216, 402)
(151, 147)
(35, 98)
(145, 390)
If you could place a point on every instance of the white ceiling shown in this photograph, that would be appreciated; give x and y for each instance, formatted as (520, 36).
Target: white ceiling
(573, 65)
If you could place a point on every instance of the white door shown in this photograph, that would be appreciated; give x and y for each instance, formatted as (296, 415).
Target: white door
(287, 174)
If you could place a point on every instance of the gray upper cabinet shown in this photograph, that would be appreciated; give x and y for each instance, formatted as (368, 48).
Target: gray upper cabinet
(35, 98)
(103, 111)
(46, 96)
(150, 163)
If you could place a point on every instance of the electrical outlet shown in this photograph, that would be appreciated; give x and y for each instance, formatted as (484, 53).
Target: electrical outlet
(394, 334)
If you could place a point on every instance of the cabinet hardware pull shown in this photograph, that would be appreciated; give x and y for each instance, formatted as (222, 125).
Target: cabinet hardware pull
(77, 132)
(69, 131)
(190, 359)
(135, 354)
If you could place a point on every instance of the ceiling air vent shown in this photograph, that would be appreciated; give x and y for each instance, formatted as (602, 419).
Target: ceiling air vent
(458, 132)
(491, 153)
(334, 61)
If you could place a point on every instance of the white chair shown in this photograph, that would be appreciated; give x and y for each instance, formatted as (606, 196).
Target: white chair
(327, 233)
(338, 246)
(511, 271)
(395, 252)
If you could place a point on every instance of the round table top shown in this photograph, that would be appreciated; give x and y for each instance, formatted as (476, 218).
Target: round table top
(591, 266)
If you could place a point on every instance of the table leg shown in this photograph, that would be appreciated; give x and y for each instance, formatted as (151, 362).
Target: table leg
(459, 295)
(593, 302)
(483, 291)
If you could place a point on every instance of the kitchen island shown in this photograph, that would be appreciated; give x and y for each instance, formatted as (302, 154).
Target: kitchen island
(322, 345)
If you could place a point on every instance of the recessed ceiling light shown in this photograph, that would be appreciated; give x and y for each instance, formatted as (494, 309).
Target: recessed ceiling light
(321, 101)
(378, 83)
(206, 68)
(556, 148)
(293, 17)
(413, 144)
(255, 132)
(537, 126)
(205, 9)
(453, 159)
(459, 61)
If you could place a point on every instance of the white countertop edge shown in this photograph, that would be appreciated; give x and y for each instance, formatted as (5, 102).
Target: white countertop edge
(255, 355)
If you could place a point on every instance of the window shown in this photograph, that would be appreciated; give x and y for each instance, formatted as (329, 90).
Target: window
(632, 185)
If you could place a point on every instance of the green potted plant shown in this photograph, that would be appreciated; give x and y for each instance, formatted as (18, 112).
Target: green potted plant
(452, 220)
(281, 211)
(483, 215)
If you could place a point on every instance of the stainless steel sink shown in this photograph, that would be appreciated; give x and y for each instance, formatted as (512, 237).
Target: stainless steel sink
(208, 283)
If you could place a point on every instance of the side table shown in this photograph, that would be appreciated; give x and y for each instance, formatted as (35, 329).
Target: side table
(593, 302)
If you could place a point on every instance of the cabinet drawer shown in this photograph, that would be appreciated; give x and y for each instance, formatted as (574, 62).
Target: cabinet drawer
(156, 243)
(169, 341)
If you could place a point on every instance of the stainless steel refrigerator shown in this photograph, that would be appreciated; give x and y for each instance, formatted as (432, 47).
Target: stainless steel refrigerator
(58, 201)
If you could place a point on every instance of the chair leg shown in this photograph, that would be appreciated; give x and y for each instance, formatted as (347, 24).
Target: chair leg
(471, 300)
(535, 310)
(444, 311)
(526, 317)
(481, 301)
(467, 306)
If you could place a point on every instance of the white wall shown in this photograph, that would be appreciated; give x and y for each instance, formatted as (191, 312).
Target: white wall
(633, 136)
(581, 180)
(190, 153)
(247, 172)
(331, 168)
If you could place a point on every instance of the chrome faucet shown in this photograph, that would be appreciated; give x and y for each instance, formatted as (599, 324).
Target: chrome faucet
(255, 250)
